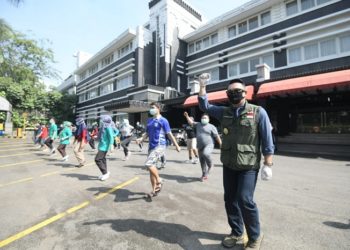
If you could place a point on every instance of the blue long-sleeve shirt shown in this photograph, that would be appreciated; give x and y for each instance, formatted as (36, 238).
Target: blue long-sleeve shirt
(264, 125)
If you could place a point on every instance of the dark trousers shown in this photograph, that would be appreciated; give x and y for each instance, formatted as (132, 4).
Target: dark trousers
(49, 142)
(92, 143)
(62, 149)
(125, 144)
(101, 162)
(241, 210)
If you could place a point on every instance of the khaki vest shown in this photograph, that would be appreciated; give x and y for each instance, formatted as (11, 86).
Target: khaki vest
(240, 139)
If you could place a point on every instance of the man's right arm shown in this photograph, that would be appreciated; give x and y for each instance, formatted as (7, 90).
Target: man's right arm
(205, 106)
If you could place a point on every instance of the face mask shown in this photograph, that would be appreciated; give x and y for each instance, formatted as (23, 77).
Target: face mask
(234, 96)
(51, 121)
(204, 121)
(153, 112)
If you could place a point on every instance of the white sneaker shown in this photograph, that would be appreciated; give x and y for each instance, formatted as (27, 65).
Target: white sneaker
(65, 158)
(105, 176)
(188, 161)
(53, 150)
(195, 161)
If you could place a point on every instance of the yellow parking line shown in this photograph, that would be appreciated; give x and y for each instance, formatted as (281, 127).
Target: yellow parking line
(4, 156)
(102, 195)
(15, 182)
(18, 163)
(12, 149)
(46, 222)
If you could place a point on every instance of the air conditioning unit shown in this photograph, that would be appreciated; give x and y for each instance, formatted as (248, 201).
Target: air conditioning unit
(170, 93)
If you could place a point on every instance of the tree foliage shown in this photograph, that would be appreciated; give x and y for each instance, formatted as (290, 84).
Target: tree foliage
(24, 63)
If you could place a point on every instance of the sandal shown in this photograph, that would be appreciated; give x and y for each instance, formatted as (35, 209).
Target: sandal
(151, 194)
(158, 187)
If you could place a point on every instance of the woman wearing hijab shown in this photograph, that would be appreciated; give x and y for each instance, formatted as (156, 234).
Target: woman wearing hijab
(106, 138)
(81, 139)
(65, 135)
(126, 131)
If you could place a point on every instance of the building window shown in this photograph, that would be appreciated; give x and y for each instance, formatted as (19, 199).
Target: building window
(125, 50)
(92, 93)
(328, 47)
(198, 45)
(191, 48)
(311, 51)
(322, 1)
(107, 60)
(233, 70)
(93, 69)
(214, 39)
(82, 76)
(124, 82)
(214, 74)
(294, 55)
(265, 18)
(307, 4)
(268, 59)
(232, 31)
(292, 8)
(253, 23)
(81, 97)
(190, 80)
(242, 27)
(344, 43)
(243, 67)
(252, 63)
(206, 42)
(107, 88)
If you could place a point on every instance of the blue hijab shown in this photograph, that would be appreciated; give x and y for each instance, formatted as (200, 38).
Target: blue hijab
(80, 126)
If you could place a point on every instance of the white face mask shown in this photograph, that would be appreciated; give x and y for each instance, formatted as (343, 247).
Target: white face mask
(204, 121)
(153, 111)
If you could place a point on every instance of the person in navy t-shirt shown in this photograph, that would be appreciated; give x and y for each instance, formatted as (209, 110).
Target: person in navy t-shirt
(157, 130)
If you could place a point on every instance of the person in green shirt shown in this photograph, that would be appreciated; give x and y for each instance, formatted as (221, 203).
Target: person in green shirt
(106, 140)
(65, 136)
(52, 135)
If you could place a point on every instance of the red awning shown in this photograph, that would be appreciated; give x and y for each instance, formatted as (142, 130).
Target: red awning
(218, 96)
(313, 82)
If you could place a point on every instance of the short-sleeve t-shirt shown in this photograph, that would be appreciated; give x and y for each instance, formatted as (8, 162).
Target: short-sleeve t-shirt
(205, 134)
(157, 128)
(191, 132)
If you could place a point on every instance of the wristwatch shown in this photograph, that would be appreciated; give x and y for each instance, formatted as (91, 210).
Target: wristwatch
(269, 164)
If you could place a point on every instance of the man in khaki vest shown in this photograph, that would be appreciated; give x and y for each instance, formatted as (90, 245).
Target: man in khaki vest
(246, 133)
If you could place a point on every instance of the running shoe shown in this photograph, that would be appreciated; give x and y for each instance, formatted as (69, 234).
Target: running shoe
(195, 161)
(65, 158)
(105, 176)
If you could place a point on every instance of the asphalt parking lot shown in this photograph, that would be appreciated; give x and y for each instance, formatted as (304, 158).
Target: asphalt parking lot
(48, 204)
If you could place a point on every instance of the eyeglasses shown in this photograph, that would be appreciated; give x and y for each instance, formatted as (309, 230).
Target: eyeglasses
(235, 91)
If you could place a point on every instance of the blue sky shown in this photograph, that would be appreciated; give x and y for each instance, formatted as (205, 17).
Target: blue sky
(87, 25)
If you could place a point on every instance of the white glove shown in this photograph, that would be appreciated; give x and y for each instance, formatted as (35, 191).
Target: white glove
(266, 173)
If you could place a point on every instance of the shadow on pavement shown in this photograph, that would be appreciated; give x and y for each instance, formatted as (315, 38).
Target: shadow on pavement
(81, 177)
(170, 233)
(338, 225)
(179, 178)
(64, 165)
(122, 195)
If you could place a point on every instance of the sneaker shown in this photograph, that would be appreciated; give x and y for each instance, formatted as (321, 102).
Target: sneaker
(65, 158)
(80, 165)
(231, 241)
(53, 150)
(125, 158)
(195, 161)
(104, 176)
(255, 244)
(162, 165)
(204, 178)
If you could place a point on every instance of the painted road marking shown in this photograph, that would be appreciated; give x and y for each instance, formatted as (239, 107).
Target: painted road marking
(42, 175)
(12, 149)
(18, 163)
(61, 215)
(15, 182)
(4, 156)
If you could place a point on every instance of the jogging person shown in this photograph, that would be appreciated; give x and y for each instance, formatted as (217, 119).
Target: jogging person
(126, 131)
(52, 136)
(206, 133)
(106, 139)
(93, 135)
(191, 143)
(65, 136)
(140, 129)
(81, 139)
(157, 130)
(246, 134)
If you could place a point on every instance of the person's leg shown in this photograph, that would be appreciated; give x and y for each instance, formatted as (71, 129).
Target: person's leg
(245, 193)
(100, 160)
(64, 154)
(82, 154)
(125, 148)
(60, 149)
(202, 163)
(208, 149)
(233, 212)
(92, 143)
(48, 143)
(78, 154)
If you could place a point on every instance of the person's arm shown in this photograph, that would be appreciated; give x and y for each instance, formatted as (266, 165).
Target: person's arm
(142, 138)
(205, 106)
(216, 136)
(172, 138)
(267, 146)
(189, 120)
(110, 138)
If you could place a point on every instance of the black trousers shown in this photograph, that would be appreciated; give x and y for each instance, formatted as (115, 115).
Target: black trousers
(101, 162)
(62, 149)
(92, 143)
(49, 142)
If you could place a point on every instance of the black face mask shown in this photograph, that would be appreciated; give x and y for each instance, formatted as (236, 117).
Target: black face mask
(234, 96)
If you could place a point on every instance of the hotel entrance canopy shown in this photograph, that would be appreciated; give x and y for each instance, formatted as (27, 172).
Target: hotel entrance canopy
(306, 84)
(217, 96)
